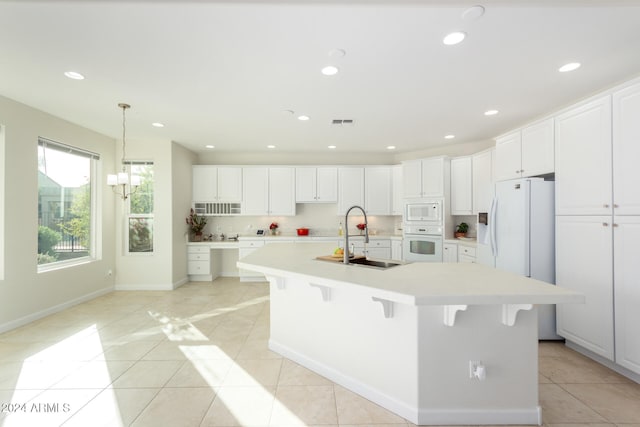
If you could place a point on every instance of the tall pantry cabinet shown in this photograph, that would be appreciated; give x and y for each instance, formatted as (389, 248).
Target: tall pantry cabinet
(598, 224)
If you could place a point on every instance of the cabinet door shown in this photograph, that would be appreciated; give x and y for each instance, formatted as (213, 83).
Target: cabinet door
(377, 185)
(396, 250)
(350, 188)
(327, 185)
(396, 191)
(306, 185)
(626, 236)
(537, 149)
(205, 183)
(412, 179)
(255, 190)
(229, 184)
(461, 186)
(449, 252)
(282, 189)
(433, 172)
(583, 160)
(508, 157)
(483, 190)
(584, 264)
(626, 151)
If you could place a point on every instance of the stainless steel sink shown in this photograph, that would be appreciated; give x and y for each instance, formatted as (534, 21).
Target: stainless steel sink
(374, 263)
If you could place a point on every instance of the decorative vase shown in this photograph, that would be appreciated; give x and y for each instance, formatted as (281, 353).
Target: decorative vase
(273, 231)
(458, 234)
(197, 237)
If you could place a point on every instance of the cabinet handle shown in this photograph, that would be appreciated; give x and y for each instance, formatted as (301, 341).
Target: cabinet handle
(615, 225)
(605, 205)
(517, 171)
(606, 224)
(615, 205)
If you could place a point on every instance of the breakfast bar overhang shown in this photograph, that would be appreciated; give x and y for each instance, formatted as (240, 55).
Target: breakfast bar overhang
(435, 343)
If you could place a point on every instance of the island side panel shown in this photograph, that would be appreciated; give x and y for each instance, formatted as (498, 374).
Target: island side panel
(508, 394)
(347, 339)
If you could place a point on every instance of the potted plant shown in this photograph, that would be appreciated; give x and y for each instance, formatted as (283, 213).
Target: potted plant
(273, 227)
(196, 223)
(461, 229)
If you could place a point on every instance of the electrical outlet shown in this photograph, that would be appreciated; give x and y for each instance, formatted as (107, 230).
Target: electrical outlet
(473, 367)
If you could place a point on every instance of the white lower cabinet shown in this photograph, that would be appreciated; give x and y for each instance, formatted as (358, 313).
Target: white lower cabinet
(466, 253)
(396, 249)
(379, 248)
(198, 261)
(626, 236)
(584, 263)
(449, 252)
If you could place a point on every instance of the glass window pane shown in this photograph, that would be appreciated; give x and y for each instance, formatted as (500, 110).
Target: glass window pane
(141, 202)
(141, 234)
(64, 205)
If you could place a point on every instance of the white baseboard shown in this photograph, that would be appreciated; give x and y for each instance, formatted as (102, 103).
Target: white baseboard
(145, 287)
(418, 416)
(51, 310)
(606, 362)
(180, 282)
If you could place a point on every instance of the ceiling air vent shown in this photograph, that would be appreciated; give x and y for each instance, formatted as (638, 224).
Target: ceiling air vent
(342, 122)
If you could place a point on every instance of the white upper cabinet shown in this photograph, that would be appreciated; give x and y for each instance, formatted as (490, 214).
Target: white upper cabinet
(538, 149)
(316, 184)
(350, 188)
(626, 151)
(397, 192)
(269, 191)
(583, 160)
(526, 152)
(461, 186)
(425, 178)
(377, 185)
(483, 186)
(216, 184)
(509, 156)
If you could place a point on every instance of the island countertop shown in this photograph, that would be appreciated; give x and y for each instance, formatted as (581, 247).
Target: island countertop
(413, 283)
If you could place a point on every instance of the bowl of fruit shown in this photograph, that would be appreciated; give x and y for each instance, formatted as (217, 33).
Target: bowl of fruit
(339, 253)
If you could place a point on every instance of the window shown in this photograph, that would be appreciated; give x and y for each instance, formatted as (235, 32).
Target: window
(66, 203)
(140, 219)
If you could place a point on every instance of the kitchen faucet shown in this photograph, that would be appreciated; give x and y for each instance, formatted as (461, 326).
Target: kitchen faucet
(346, 232)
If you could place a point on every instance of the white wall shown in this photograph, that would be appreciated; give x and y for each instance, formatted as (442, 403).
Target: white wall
(182, 160)
(153, 270)
(25, 294)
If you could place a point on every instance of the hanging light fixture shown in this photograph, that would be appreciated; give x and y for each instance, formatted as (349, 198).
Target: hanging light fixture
(119, 182)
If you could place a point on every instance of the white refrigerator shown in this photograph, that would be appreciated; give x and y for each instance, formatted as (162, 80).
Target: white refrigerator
(520, 237)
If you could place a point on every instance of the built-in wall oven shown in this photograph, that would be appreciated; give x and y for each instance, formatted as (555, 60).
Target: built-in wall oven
(422, 243)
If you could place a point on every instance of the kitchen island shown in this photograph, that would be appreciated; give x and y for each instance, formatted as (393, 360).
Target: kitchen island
(435, 343)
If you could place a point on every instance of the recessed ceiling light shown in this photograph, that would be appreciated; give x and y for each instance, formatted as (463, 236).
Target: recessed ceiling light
(303, 118)
(74, 75)
(271, 146)
(569, 67)
(391, 147)
(337, 53)
(473, 13)
(491, 112)
(209, 146)
(157, 125)
(454, 38)
(331, 147)
(329, 70)
(449, 136)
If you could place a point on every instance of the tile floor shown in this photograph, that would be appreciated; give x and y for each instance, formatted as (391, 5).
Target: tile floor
(198, 356)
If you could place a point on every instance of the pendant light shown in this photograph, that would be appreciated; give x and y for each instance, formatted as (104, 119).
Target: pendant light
(122, 183)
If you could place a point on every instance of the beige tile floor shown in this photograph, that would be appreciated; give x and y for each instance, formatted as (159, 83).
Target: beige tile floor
(198, 356)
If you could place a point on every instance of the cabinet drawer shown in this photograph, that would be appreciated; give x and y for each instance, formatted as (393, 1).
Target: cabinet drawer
(379, 243)
(198, 267)
(466, 250)
(251, 243)
(199, 256)
(198, 249)
(466, 258)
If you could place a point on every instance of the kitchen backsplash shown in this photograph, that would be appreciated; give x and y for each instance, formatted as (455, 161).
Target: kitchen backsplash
(321, 220)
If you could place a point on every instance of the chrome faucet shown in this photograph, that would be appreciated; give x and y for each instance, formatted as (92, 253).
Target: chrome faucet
(346, 232)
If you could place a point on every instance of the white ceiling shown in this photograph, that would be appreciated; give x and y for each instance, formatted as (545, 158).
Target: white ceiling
(222, 73)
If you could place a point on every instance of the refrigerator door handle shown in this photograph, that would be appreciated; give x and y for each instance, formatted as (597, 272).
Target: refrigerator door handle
(492, 227)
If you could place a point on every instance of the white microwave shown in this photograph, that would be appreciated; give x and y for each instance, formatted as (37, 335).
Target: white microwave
(424, 212)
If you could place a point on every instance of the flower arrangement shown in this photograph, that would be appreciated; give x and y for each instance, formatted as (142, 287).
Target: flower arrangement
(273, 226)
(196, 222)
(361, 227)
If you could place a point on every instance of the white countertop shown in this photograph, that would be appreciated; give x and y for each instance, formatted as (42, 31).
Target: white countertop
(414, 284)
(465, 241)
(291, 237)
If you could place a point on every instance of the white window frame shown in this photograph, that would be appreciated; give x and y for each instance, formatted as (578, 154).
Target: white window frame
(94, 254)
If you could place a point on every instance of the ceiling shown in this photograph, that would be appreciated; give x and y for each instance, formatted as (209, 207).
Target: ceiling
(224, 73)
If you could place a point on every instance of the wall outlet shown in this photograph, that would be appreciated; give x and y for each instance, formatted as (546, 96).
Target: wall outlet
(477, 370)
